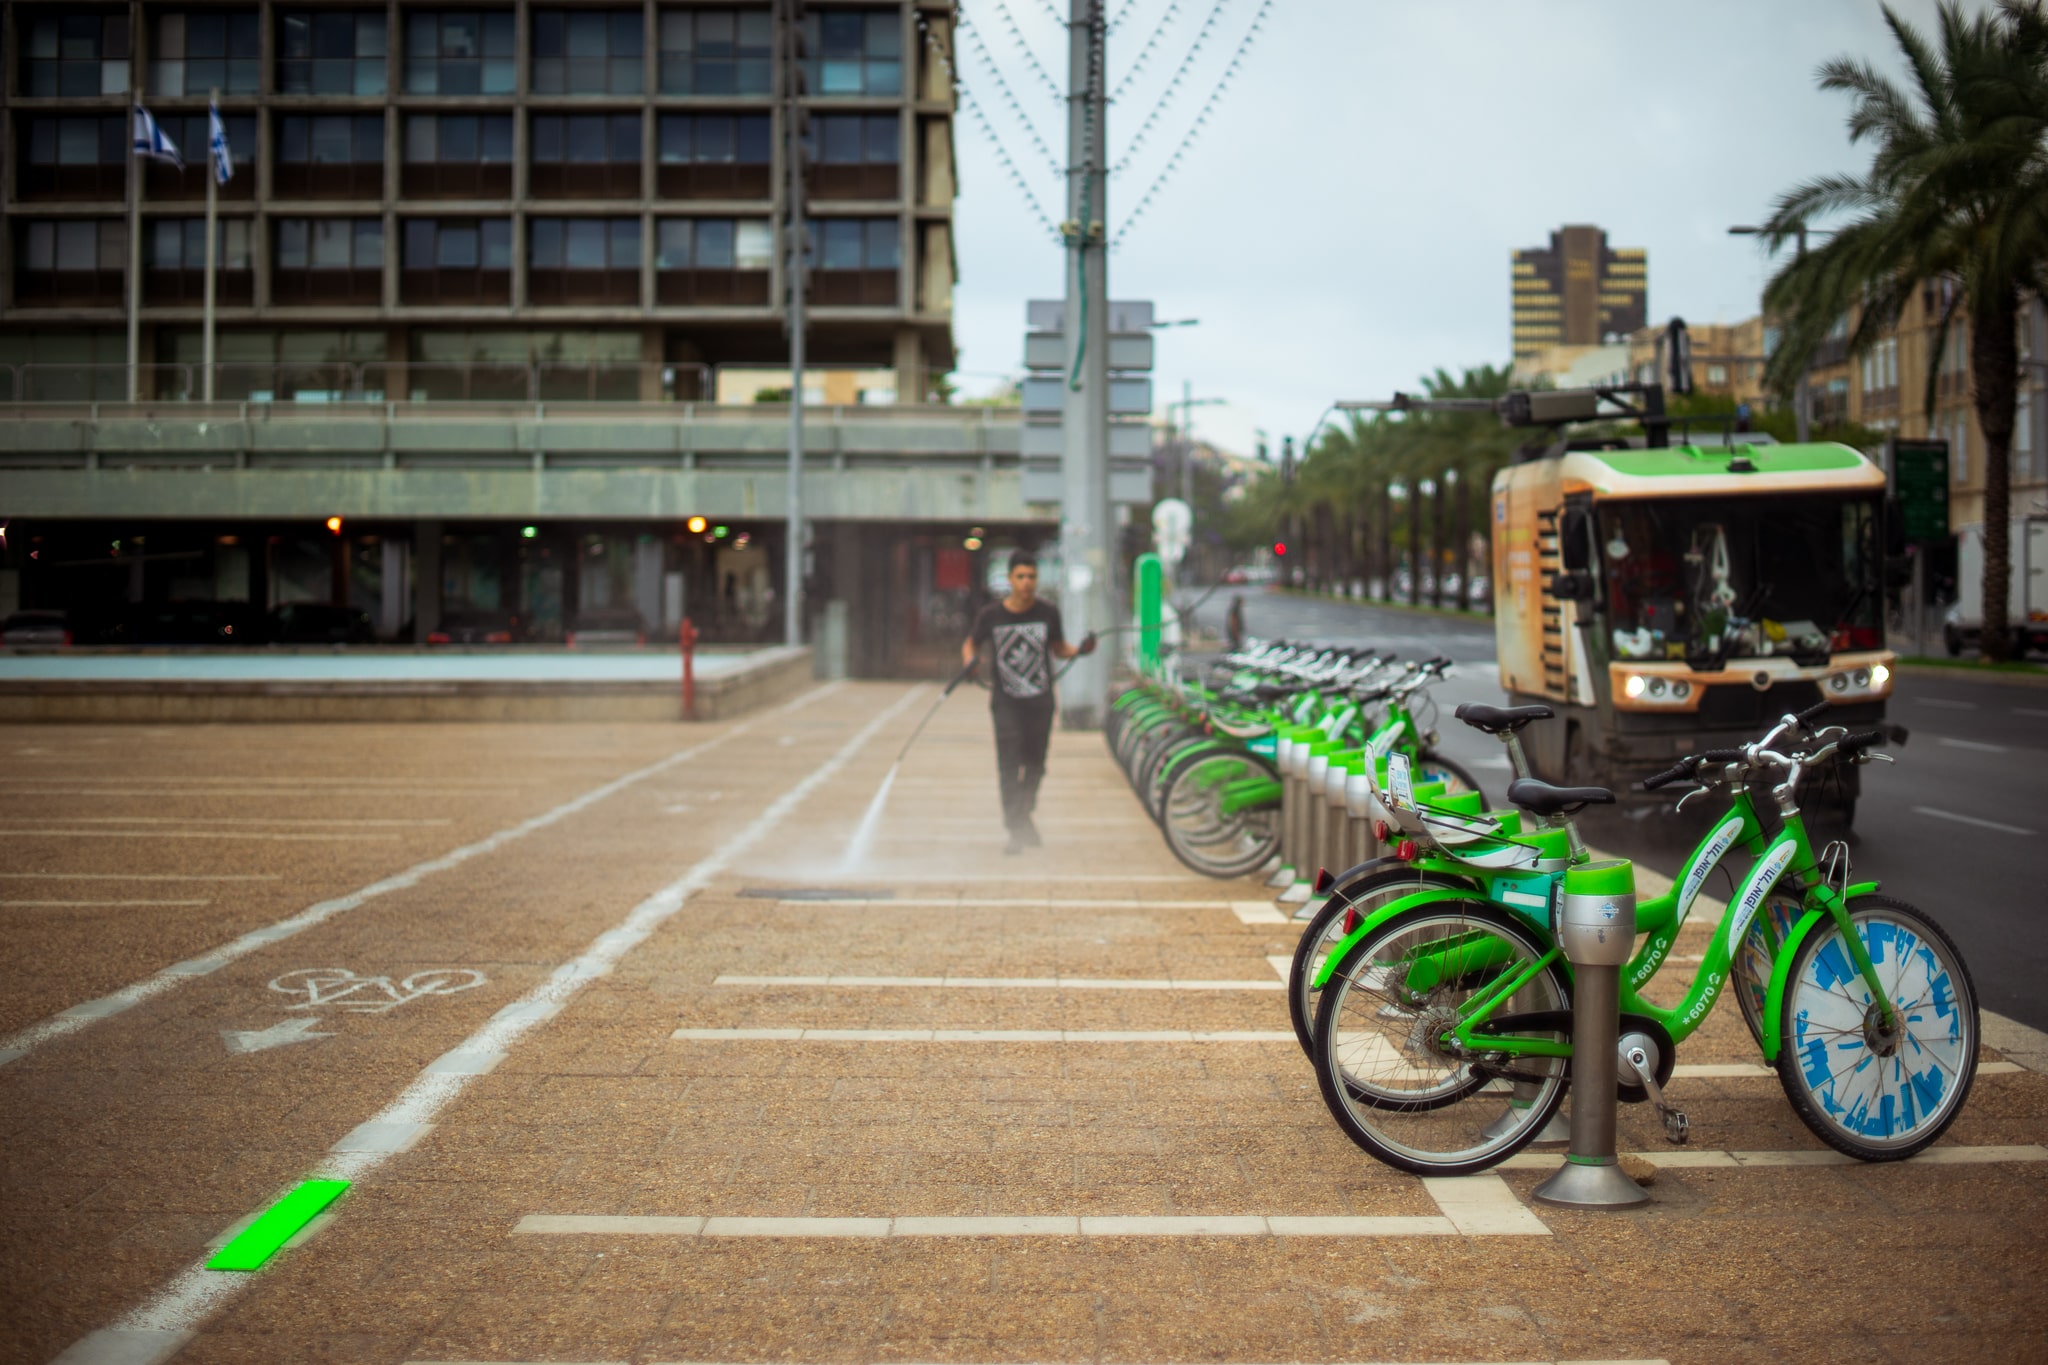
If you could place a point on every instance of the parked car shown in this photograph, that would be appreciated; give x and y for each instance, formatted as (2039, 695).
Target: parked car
(320, 623)
(36, 629)
(475, 626)
(607, 626)
(191, 622)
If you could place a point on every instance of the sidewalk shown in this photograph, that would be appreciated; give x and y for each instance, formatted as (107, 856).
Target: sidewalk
(931, 1104)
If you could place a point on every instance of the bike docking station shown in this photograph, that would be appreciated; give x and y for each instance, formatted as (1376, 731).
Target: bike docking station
(1596, 929)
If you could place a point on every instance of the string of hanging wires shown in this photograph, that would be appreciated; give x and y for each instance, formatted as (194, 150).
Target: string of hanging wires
(1194, 130)
(987, 59)
(1152, 42)
(968, 102)
(1173, 85)
(1030, 57)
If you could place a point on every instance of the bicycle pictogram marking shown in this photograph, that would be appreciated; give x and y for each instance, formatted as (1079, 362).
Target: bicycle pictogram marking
(340, 988)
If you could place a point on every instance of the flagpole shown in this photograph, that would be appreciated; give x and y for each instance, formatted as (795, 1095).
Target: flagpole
(212, 224)
(134, 261)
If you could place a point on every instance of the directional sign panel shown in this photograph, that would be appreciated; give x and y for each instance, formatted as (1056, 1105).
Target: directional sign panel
(1920, 482)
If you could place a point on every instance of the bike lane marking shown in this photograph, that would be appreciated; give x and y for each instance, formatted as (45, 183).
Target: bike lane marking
(1977, 821)
(162, 1325)
(1691, 1158)
(24, 1041)
(1076, 983)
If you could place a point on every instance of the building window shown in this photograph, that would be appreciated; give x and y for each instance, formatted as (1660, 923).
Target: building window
(855, 262)
(331, 52)
(328, 260)
(715, 52)
(459, 53)
(714, 156)
(77, 157)
(192, 54)
(191, 134)
(76, 262)
(76, 54)
(1959, 449)
(330, 156)
(175, 262)
(583, 260)
(586, 156)
(282, 366)
(1717, 375)
(854, 52)
(588, 52)
(457, 156)
(711, 262)
(852, 156)
(456, 261)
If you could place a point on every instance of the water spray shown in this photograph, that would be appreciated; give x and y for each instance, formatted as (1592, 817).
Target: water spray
(864, 836)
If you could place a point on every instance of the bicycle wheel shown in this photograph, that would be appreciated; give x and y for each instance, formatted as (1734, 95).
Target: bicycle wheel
(1455, 776)
(1749, 971)
(1210, 839)
(1337, 917)
(1388, 1079)
(1877, 1094)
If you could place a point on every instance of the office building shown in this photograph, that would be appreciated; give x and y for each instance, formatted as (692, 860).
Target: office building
(1578, 291)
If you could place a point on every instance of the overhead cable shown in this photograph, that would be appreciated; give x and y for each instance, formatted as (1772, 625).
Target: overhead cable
(1173, 85)
(1201, 120)
(968, 102)
(1016, 105)
(1030, 57)
(1152, 44)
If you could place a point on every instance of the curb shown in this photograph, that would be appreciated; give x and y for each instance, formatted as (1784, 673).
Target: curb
(2016, 1041)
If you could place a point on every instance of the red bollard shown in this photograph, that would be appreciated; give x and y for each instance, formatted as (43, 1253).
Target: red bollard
(686, 636)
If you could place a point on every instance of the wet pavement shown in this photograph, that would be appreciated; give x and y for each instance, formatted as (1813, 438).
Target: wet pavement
(627, 1062)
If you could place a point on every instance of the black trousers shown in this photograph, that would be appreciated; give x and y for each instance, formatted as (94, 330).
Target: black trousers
(1022, 733)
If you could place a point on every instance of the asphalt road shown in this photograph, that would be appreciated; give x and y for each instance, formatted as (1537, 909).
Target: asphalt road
(1947, 827)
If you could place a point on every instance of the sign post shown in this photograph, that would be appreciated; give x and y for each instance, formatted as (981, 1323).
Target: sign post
(1919, 475)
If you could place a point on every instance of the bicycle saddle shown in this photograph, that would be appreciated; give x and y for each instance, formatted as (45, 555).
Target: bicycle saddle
(1544, 799)
(1494, 719)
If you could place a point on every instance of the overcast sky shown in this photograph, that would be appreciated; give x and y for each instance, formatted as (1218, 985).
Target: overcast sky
(1342, 224)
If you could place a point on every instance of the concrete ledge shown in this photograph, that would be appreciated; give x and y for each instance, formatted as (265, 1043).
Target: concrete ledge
(771, 676)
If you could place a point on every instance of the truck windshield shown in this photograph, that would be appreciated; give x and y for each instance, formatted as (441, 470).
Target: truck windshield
(1741, 578)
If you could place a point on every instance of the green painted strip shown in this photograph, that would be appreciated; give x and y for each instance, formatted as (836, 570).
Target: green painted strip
(277, 1225)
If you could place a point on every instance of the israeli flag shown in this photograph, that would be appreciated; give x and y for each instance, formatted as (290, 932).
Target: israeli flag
(217, 144)
(152, 142)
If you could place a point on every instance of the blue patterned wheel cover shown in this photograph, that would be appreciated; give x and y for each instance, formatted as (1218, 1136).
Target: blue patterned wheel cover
(1880, 1099)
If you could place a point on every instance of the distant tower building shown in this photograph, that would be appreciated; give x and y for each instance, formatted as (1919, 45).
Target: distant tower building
(1578, 291)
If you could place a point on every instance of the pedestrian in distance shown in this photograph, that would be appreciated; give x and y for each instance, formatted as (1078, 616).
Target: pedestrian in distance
(1233, 624)
(1021, 636)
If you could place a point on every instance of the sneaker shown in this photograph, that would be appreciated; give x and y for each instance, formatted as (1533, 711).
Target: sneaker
(1015, 846)
(1027, 833)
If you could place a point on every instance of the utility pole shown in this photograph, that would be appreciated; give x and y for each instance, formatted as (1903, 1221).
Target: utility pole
(1185, 429)
(793, 159)
(1085, 545)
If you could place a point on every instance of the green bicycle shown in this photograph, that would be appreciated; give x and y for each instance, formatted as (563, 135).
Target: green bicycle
(1442, 1033)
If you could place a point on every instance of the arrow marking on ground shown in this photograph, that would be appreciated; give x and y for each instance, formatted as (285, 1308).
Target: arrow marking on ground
(277, 1035)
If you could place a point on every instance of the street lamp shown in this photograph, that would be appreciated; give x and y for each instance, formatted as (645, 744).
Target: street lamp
(1800, 401)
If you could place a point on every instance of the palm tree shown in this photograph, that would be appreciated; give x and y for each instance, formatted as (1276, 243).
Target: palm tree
(1957, 189)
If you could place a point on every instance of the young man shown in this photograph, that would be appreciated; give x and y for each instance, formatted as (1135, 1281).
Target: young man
(1023, 636)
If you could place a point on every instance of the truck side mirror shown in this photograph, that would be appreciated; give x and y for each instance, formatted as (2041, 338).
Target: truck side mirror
(1574, 539)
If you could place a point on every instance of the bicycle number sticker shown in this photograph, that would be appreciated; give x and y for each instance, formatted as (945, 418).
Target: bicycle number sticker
(1761, 878)
(341, 989)
(1400, 783)
(1703, 866)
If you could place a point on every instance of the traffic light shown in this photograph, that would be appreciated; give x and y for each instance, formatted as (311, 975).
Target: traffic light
(1279, 547)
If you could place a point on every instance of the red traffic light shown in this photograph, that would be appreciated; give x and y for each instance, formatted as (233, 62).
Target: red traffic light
(1279, 547)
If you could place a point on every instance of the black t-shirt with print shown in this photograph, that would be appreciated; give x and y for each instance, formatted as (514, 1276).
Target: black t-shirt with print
(1019, 646)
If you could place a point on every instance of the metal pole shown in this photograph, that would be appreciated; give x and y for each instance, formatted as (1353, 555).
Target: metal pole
(1084, 512)
(134, 257)
(793, 551)
(1187, 442)
(212, 229)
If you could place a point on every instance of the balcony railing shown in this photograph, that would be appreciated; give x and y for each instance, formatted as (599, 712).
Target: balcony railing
(381, 381)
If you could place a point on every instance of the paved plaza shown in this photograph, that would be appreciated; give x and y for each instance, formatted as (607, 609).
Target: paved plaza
(627, 1060)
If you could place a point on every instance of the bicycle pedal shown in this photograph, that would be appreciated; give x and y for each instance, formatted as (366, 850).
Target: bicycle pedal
(1677, 1128)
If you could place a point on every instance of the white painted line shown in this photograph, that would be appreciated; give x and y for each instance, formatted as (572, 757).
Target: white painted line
(31, 905)
(1974, 746)
(1282, 965)
(990, 903)
(1729, 1070)
(2020, 1043)
(142, 876)
(1941, 704)
(236, 820)
(1681, 1158)
(1970, 820)
(1257, 912)
(187, 1299)
(71, 1020)
(1174, 1225)
(196, 834)
(1483, 1206)
(2028, 711)
(1065, 983)
(945, 1035)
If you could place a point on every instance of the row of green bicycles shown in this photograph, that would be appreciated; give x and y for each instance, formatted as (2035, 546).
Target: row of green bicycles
(1208, 754)
(1428, 987)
